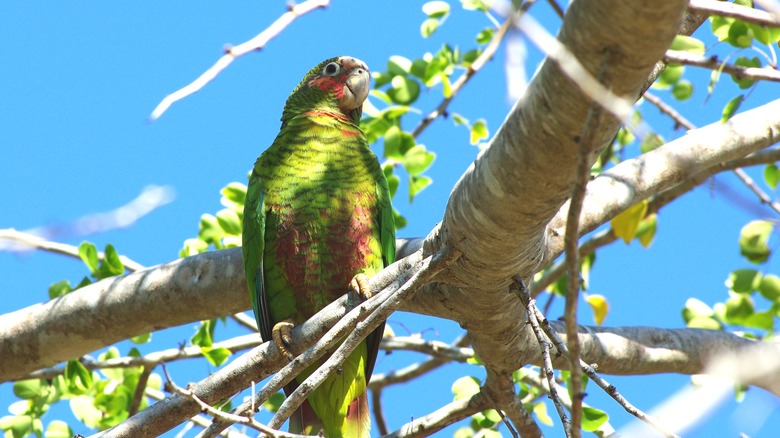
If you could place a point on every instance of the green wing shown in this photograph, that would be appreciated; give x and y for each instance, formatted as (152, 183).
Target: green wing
(253, 246)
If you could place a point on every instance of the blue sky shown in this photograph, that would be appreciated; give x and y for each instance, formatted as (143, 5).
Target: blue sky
(79, 81)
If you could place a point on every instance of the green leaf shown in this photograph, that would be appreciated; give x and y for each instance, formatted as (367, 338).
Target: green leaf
(740, 35)
(753, 241)
(720, 26)
(417, 160)
(398, 65)
(233, 196)
(593, 418)
(59, 289)
(696, 308)
(744, 281)
(464, 387)
(436, 9)
(771, 175)
(459, 120)
(646, 231)
(761, 320)
(626, 224)
(669, 77)
(141, 339)
(651, 141)
(485, 35)
(416, 184)
(428, 27)
(770, 287)
(204, 337)
(274, 402)
(731, 108)
(83, 408)
(479, 131)
(111, 265)
(476, 5)
(742, 61)
(58, 429)
(682, 90)
(397, 143)
(399, 220)
(76, 373)
(738, 308)
(216, 356)
(404, 91)
(704, 322)
(89, 255)
(229, 221)
(418, 68)
(27, 389)
(624, 137)
(19, 426)
(688, 44)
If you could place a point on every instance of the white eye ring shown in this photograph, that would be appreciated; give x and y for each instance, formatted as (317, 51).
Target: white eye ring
(332, 69)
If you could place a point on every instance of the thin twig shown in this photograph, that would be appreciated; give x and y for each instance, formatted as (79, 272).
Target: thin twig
(590, 371)
(547, 370)
(478, 63)
(138, 394)
(726, 9)
(442, 417)
(413, 371)
(232, 53)
(713, 63)
(197, 420)
(216, 413)
(741, 174)
(586, 144)
(28, 240)
(379, 413)
(429, 268)
(152, 359)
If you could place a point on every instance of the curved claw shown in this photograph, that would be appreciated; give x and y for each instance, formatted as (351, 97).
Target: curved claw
(281, 335)
(359, 284)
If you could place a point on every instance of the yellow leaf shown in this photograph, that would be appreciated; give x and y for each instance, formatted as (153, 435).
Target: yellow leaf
(646, 231)
(540, 409)
(626, 223)
(600, 307)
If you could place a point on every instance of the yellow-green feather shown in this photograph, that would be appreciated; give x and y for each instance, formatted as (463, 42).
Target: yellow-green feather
(317, 213)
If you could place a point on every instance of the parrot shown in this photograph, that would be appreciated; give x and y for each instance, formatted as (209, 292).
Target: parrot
(318, 220)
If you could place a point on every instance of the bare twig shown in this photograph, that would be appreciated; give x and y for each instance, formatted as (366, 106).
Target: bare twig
(733, 10)
(216, 413)
(149, 361)
(436, 349)
(478, 63)
(741, 174)
(429, 268)
(196, 420)
(232, 53)
(713, 63)
(410, 372)
(586, 143)
(379, 413)
(590, 371)
(24, 240)
(547, 369)
(442, 417)
(138, 394)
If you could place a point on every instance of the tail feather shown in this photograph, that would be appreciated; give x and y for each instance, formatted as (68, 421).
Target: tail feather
(358, 418)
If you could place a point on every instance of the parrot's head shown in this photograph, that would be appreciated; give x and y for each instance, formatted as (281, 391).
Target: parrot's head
(337, 85)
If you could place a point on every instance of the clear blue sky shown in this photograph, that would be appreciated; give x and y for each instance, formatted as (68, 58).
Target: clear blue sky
(77, 82)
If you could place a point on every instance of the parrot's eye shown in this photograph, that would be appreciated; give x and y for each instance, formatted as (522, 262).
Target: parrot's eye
(331, 69)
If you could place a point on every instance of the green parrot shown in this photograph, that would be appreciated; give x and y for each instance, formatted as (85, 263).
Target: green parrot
(318, 217)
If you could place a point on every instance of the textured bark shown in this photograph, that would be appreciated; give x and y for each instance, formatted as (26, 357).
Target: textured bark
(498, 212)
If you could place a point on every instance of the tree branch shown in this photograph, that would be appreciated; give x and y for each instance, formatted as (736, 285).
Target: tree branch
(713, 63)
(726, 9)
(232, 53)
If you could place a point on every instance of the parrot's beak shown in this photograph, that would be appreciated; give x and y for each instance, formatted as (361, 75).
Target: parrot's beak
(357, 85)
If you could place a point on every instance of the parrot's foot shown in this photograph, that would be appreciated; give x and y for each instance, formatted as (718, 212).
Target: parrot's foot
(282, 337)
(359, 284)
